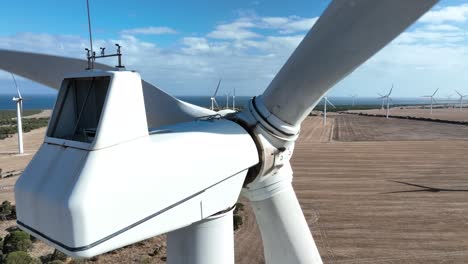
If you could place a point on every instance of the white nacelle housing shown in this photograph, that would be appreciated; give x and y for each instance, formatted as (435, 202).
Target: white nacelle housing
(102, 180)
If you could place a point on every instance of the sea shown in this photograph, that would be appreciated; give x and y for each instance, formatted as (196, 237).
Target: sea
(33, 102)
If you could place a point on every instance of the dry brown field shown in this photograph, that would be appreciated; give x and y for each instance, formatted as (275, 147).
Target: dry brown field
(356, 196)
(354, 181)
(451, 114)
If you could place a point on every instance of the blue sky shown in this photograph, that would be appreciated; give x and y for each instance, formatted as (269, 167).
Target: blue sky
(184, 47)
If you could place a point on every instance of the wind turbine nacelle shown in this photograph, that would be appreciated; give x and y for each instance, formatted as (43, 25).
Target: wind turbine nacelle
(101, 180)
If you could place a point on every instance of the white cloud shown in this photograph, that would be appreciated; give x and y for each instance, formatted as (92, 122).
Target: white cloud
(248, 51)
(290, 24)
(182, 69)
(238, 29)
(418, 36)
(442, 27)
(247, 27)
(149, 31)
(446, 14)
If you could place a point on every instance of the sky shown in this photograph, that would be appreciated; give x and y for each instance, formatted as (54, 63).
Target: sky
(185, 47)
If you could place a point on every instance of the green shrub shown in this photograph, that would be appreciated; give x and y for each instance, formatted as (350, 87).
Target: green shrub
(17, 241)
(238, 207)
(5, 209)
(237, 221)
(13, 213)
(20, 257)
(58, 255)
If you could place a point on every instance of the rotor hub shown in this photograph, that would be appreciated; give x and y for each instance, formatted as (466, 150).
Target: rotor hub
(275, 147)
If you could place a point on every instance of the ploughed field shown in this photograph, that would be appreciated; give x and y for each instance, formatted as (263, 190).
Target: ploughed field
(353, 179)
(357, 194)
(450, 114)
(364, 128)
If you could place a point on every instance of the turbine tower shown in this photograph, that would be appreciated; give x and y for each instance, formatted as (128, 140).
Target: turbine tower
(383, 100)
(234, 100)
(325, 102)
(353, 97)
(227, 99)
(387, 99)
(461, 99)
(213, 97)
(433, 100)
(178, 186)
(19, 111)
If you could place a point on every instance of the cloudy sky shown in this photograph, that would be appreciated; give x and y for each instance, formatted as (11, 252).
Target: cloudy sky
(184, 47)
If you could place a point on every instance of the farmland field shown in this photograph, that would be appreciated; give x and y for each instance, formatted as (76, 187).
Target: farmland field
(354, 182)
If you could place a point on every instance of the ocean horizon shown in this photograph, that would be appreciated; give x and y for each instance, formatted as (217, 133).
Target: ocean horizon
(47, 101)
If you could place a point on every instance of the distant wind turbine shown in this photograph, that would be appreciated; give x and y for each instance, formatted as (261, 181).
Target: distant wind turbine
(19, 111)
(325, 102)
(213, 98)
(227, 100)
(234, 100)
(461, 99)
(433, 100)
(387, 98)
(353, 96)
(383, 100)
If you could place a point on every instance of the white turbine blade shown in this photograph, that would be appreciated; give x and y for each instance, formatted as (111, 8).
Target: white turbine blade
(330, 102)
(345, 36)
(435, 91)
(16, 85)
(391, 89)
(215, 102)
(217, 88)
(21, 105)
(161, 108)
(282, 223)
(45, 69)
(458, 93)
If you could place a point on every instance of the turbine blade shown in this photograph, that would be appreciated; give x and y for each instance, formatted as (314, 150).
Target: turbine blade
(217, 88)
(435, 92)
(330, 103)
(283, 226)
(323, 59)
(161, 108)
(16, 85)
